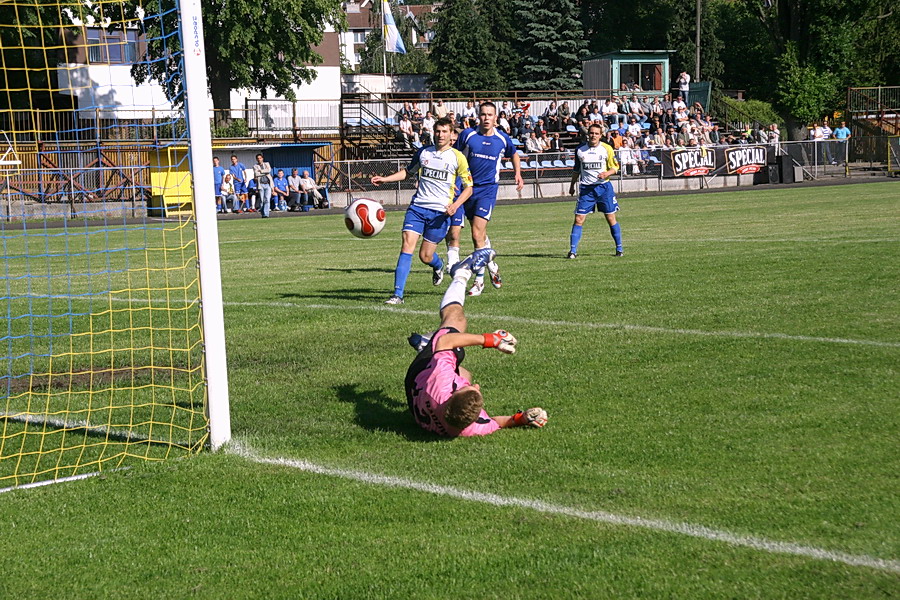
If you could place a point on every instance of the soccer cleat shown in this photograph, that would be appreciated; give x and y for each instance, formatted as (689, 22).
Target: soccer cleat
(496, 280)
(448, 268)
(476, 288)
(619, 253)
(418, 341)
(437, 276)
(395, 299)
(571, 255)
(476, 260)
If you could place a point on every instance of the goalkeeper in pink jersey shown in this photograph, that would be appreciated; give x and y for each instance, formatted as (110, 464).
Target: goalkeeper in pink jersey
(440, 393)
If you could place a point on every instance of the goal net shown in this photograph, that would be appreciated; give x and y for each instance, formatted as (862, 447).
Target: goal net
(113, 337)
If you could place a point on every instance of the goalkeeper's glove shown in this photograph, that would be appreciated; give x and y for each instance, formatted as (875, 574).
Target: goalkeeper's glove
(533, 417)
(501, 340)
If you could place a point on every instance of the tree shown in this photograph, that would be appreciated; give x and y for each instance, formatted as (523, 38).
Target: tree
(459, 51)
(681, 37)
(550, 45)
(259, 45)
(611, 25)
(822, 47)
(502, 32)
(416, 60)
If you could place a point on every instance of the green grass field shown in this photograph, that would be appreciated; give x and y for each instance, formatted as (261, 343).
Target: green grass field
(732, 381)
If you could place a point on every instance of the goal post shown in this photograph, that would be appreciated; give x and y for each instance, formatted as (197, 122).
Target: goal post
(111, 284)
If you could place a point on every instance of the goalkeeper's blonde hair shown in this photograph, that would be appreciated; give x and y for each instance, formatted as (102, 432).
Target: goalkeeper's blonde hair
(463, 408)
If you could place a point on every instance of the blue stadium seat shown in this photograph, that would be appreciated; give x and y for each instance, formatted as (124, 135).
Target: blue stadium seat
(570, 163)
(558, 163)
(508, 165)
(533, 164)
(571, 129)
(351, 122)
(516, 142)
(547, 164)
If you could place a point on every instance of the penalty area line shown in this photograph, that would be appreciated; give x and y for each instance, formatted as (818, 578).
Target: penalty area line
(588, 324)
(660, 525)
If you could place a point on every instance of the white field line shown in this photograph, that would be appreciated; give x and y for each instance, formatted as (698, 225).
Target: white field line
(545, 322)
(36, 484)
(585, 324)
(688, 529)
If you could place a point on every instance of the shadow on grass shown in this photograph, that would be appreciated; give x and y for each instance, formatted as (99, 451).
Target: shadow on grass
(362, 294)
(359, 270)
(554, 255)
(376, 411)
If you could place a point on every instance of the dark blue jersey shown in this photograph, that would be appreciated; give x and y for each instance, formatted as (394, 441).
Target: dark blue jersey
(485, 154)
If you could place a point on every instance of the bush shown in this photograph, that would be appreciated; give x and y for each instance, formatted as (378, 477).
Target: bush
(236, 128)
(756, 110)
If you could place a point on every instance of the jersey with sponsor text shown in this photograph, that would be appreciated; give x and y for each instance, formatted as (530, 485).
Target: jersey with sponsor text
(590, 162)
(438, 172)
(485, 153)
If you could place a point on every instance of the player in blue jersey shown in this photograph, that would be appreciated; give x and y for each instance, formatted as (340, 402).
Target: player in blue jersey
(595, 163)
(218, 176)
(485, 147)
(428, 215)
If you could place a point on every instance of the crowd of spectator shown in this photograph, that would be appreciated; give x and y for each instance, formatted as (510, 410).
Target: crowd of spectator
(634, 124)
(241, 190)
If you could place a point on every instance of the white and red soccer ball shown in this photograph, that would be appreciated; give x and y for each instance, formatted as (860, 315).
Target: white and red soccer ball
(364, 218)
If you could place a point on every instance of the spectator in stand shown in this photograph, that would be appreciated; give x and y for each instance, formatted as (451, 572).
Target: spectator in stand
(656, 108)
(682, 119)
(655, 126)
(229, 198)
(439, 110)
(503, 122)
(666, 103)
(679, 103)
(551, 116)
(565, 116)
(406, 111)
(556, 144)
(658, 138)
(636, 110)
(417, 125)
(597, 117)
(715, 137)
(610, 112)
(614, 139)
(427, 129)
(634, 129)
(533, 144)
(540, 128)
(668, 119)
(583, 129)
(527, 118)
(684, 84)
(296, 198)
(544, 138)
(470, 112)
(527, 129)
(452, 116)
(515, 124)
(668, 143)
(262, 174)
(280, 189)
(406, 132)
(626, 157)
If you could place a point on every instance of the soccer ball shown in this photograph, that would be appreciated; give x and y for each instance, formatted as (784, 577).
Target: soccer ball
(364, 218)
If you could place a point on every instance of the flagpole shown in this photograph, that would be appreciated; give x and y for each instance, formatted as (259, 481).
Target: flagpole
(384, 41)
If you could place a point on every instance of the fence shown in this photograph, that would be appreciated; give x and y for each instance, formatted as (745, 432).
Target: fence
(660, 169)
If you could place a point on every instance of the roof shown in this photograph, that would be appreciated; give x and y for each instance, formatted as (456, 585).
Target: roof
(268, 145)
(629, 52)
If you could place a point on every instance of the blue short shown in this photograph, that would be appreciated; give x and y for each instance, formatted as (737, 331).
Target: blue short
(430, 224)
(601, 195)
(481, 202)
(459, 217)
(240, 187)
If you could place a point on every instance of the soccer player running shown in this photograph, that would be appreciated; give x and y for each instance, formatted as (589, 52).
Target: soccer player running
(439, 391)
(595, 163)
(485, 147)
(428, 215)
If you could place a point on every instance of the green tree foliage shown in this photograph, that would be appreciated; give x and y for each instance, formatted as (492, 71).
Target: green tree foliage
(29, 66)
(611, 25)
(822, 47)
(681, 36)
(460, 50)
(503, 31)
(416, 60)
(259, 45)
(550, 45)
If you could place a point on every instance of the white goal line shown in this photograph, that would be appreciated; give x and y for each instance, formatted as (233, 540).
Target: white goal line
(660, 525)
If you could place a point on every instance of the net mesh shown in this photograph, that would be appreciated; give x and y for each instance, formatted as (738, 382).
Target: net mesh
(100, 283)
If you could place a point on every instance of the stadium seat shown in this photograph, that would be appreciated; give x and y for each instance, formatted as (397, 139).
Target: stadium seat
(533, 164)
(558, 163)
(570, 163)
(571, 129)
(547, 164)
(516, 142)
(508, 165)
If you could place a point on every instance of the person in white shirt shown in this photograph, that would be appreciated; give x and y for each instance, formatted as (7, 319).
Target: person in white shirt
(533, 144)
(679, 103)
(684, 84)
(428, 128)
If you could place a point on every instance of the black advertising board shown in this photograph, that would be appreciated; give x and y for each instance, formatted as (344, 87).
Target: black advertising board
(719, 160)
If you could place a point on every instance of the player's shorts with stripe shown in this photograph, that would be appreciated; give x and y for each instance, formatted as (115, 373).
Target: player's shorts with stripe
(481, 203)
(430, 224)
(240, 187)
(601, 195)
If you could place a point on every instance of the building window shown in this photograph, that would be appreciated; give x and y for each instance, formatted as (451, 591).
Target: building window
(648, 76)
(112, 47)
(359, 36)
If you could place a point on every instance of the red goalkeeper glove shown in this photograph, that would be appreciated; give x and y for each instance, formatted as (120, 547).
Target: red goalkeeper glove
(501, 340)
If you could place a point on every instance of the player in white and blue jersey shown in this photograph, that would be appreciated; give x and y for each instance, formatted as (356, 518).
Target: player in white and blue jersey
(595, 163)
(428, 215)
(485, 147)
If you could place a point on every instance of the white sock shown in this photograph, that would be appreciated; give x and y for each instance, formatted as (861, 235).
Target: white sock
(479, 274)
(456, 291)
(452, 255)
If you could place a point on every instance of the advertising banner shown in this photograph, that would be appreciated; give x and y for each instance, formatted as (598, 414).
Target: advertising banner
(719, 160)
